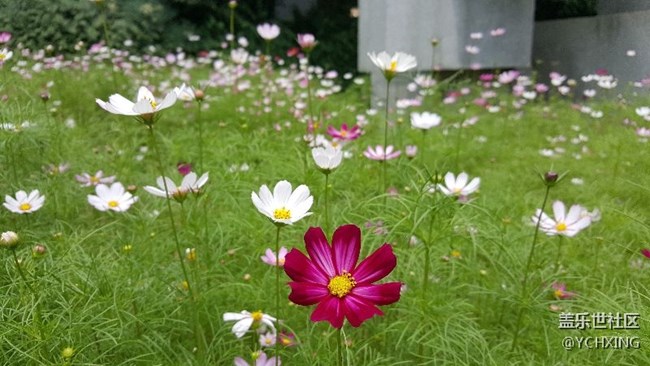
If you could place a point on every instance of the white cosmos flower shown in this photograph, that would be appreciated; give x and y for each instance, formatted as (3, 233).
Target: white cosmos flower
(185, 93)
(5, 55)
(24, 203)
(145, 105)
(190, 184)
(283, 206)
(391, 65)
(458, 186)
(87, 180)
(643, 111)
(268, 31)
(327, 158)
(114, 198)
(425, 120)
(245, 320)
(565, 224)
(239, 56)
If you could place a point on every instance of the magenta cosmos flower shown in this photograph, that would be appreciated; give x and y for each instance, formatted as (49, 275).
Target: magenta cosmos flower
(345, 133)
(331, 278)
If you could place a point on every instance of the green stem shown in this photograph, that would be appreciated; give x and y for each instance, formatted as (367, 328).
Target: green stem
(309, 101)
(528, 262)
(339, 346)
(327, 216)
(37, 312)
(277, 294)
(385, 139)
(198, 334)
(458, 138)
(559, 252)
(199, 121)
(232, 27)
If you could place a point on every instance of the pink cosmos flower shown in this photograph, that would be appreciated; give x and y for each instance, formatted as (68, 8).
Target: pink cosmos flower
(345, 133)
(331, 278)
(184, 168)
(378, 153)
(5, 37)
(271, 259)
(560, 292)
(508, 77)
(307, 41)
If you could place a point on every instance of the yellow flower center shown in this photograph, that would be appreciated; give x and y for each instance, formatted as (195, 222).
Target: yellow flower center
(112, 204)
(341, 285)
(558, 294)
(457, 190)
(153, 104)
(281, 214)
(344, 133)
(2, 56)
(455, 253)
(560, 226)
(25, 207)
(281, 262)
(268, 341)
(94, 180)
(257, 316)
(393, 66)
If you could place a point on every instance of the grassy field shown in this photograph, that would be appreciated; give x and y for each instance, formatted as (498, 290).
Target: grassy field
(110, 286)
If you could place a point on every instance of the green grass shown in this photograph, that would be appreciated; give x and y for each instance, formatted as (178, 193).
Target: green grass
(117, 307)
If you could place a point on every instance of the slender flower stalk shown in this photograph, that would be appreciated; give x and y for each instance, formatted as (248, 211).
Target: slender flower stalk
(549, 184)
(339, 346)
(232, 4)
(559, 252)
(327, 216)
(384, 167)
(198, 333)
(278, 269)
(37, 311)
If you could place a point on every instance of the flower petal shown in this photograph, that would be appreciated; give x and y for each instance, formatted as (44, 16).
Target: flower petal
(377, 266)
(300, 269)
(357, 310)
(241, 327)
(332, 310)
(303, 293)
(346, 245)
(319, 250)
(384, 294)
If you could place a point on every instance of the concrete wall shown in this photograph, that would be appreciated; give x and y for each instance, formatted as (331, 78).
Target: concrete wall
(410, 25)
(580, 46)
(620, 6)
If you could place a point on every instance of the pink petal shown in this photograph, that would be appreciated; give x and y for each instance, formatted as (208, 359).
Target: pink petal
(377, 266)
(383, 294)
(331, 309)
(306, 294)
(319, 250)
(346, 245)
(357, 311)
(300, 269)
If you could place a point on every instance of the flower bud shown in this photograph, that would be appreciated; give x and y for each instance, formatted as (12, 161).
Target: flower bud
(39, 250)
(67, 353)
(232, 4)
(9, 239)
(435, 42)
(131, 188)
(45, 96)
(551, 177)
(199, 95)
